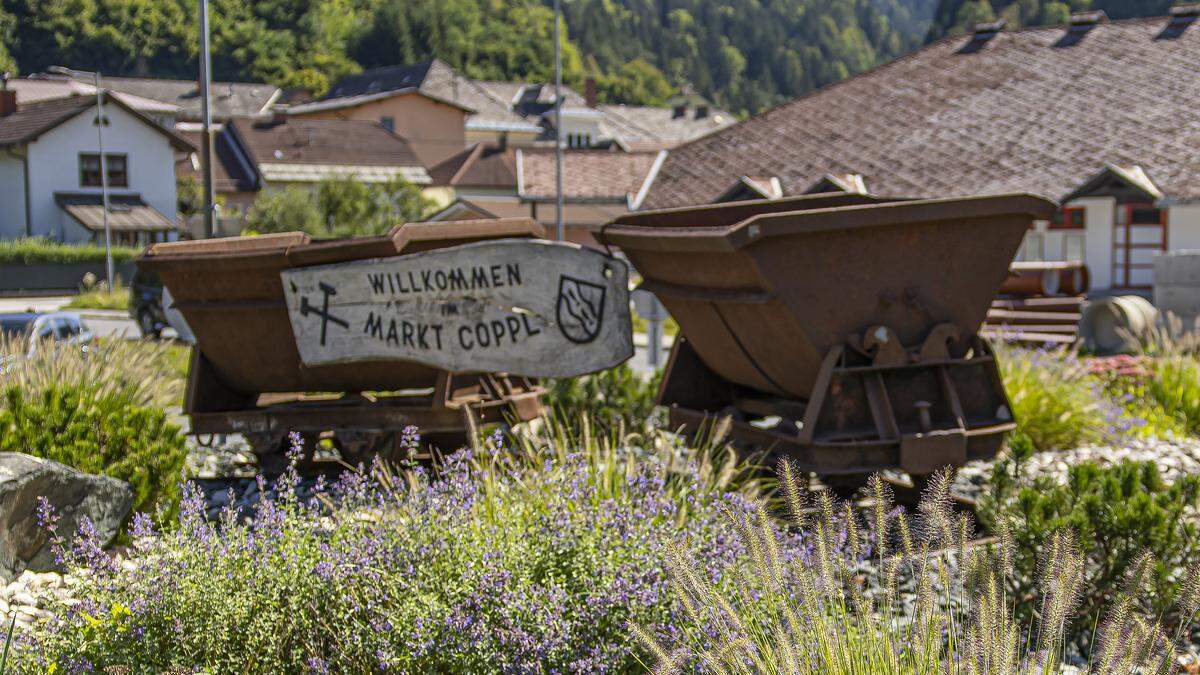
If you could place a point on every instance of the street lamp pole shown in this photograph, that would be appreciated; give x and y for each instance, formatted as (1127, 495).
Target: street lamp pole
(206, 131)
(558, 136)
(108, 259)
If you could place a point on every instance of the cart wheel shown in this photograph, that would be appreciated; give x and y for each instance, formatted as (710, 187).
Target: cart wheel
(362, 447)
(446, 442)
(846, 486)
(271, 449)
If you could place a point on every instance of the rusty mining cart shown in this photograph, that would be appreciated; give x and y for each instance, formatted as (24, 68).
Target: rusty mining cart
(840, 331)
(246, 375)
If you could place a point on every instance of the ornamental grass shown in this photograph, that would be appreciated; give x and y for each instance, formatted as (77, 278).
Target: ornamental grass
(886, 592)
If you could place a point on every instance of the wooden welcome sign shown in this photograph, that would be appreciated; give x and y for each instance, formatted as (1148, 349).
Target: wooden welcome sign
(519, 306)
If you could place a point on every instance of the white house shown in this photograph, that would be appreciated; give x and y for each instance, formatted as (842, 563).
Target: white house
(50, 171)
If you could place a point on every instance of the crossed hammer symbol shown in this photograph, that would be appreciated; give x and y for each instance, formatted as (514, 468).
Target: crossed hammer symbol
(323, 312)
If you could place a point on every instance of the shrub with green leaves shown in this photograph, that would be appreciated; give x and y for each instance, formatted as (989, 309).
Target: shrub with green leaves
(1175, 387)
(1114, 514)
(615, 401)
(105, 434)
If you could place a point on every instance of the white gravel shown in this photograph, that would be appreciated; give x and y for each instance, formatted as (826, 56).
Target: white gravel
(1175, 457)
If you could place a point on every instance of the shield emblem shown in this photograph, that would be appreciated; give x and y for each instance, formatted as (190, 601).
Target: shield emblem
(580, 309)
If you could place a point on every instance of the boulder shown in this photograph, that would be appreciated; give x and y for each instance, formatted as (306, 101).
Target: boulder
(24, 544)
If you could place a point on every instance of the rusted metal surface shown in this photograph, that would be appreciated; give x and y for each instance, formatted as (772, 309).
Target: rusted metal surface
(231, 294)
(842, 333)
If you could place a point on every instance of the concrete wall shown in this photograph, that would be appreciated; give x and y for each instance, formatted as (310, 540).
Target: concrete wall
(12, 197)
(434, 130)
(1183, 227)
(54, 167)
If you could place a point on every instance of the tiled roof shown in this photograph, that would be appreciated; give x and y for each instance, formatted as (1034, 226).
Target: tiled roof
(327, 147)
(229, 99)
(640, 127)
(587, 174)
(126, 213)
(34, 119)
(227, 177)
(32, 90)
(432, 78)
(479, 166)
(1038, 110)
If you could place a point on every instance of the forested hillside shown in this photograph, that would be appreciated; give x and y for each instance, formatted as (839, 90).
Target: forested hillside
(742, 54)
(959, 15)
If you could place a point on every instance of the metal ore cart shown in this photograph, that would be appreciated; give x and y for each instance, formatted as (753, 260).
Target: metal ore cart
(840, 331)
(246, 375)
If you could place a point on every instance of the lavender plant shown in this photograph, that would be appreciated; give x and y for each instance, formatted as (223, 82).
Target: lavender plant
(518, 559)
(887, 593)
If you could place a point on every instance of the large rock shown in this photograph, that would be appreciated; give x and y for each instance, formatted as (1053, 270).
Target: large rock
(24, 544)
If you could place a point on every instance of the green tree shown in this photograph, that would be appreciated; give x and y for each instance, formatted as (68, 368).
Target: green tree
(340, 207)
(637, 82)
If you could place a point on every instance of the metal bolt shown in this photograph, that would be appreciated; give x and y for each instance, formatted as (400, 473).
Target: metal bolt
(923, 416)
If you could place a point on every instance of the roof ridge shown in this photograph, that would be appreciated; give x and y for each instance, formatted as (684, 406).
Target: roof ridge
(467, 162)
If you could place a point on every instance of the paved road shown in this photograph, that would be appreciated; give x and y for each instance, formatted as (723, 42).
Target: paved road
(103, 323)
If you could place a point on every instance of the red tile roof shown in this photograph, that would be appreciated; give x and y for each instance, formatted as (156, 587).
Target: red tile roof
(301, 140)
(587, 174)
(1034, 110)
(479, 166)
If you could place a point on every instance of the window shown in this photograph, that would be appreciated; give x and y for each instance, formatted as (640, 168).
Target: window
(1070, 218)
(388, 123)
(89, 169)
(579, 140)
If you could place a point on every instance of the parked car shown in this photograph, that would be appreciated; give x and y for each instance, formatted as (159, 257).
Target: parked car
(146, 304)
(34, 328)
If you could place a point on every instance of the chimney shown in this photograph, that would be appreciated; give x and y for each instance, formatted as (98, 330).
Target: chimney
(589, 92)
(8, 97)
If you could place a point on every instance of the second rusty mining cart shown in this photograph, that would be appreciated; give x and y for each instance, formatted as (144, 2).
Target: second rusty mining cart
(246, 375)
(838, 330)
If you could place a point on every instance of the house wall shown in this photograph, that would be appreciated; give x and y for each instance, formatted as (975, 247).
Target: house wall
(12, 197)
(433, 129)
(1098, 229)
(1183, 227)
(514, 138)
(54, 167)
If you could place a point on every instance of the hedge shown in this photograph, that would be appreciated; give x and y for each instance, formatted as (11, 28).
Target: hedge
(36, 250)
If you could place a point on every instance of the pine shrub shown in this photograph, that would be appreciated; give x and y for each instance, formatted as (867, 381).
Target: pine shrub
(1115, 514)
(105, 434)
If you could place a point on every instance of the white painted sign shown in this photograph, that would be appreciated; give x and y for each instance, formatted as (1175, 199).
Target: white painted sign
(520, 306)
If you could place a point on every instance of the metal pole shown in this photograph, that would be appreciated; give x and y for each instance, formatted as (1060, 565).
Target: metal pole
(206, 112)
(108, 260)
(558, 138)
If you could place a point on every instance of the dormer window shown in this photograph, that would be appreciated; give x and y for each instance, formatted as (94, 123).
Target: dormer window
(579, 140)
(679, 111)
(701, 112)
